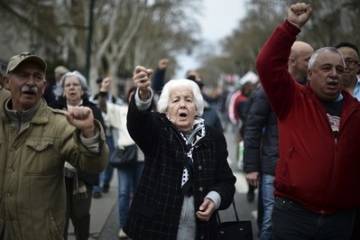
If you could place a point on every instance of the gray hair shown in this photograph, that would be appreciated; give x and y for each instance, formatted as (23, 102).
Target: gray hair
(315, 55)
(81, 79)
(175, 83)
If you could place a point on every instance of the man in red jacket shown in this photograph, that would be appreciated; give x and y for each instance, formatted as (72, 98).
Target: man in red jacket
(317, 174)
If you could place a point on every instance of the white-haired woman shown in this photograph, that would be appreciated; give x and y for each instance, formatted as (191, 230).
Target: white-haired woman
(79, 184)
(186, 176)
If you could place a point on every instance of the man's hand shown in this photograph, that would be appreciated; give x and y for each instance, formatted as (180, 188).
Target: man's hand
(206, 210)
(82, 118)
(299, 14)
(163, 63)
(141, 78)
(253, 178)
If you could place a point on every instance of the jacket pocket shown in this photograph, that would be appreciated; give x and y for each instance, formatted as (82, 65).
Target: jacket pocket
(41, 158)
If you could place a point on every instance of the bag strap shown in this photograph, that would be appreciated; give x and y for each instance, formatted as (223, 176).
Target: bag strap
(235, 212)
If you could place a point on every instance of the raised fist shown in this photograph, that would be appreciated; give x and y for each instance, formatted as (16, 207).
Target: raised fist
(141, 78)
(299, 14)
(82, 118)
(163, 63)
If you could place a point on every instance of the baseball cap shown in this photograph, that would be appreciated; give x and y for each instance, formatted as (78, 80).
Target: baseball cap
(16, 60)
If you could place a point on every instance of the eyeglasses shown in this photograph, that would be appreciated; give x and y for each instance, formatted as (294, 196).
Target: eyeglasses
(351, 63)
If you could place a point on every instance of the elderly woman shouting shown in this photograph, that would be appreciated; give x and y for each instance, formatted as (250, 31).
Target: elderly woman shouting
(186, 176)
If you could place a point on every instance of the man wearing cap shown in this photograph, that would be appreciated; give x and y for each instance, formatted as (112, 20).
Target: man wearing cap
(35, 140)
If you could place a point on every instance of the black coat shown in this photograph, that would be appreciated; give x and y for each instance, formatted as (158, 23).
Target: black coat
(156, 207)
(260, 136)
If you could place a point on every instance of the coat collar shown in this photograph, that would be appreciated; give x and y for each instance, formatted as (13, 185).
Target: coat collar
(37, 115)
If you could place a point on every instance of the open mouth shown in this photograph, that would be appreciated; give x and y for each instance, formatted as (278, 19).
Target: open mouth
(183, 114)
(333, 83)
(29, 92)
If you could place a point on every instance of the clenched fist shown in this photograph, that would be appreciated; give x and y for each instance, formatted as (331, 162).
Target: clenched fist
(82, 118)
(299, 14)
(141, 78)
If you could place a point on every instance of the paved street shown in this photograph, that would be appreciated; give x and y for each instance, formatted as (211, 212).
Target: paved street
(104, 223)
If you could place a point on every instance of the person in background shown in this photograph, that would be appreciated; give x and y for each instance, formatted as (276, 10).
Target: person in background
(186, 175)
(317, 173)
(79, 184)
(158, 80)
(210, 115)
(54, 89)
(350, 79)
(128, 176)
(350, 53)
(35, 140)
(261, 137)
(101, 99)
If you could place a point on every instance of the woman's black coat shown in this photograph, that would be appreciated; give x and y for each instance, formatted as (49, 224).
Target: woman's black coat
(156, 207)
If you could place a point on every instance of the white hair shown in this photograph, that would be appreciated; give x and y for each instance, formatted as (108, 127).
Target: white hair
(80, 77)
(175, 83)
(315, 55)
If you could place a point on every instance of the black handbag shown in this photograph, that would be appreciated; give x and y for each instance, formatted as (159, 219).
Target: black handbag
(235, 230)
(124, 157)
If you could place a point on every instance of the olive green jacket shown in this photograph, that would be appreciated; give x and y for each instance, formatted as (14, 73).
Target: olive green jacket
(32, 188)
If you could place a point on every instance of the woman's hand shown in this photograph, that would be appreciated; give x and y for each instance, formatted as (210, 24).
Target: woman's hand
(141, 78)
(206, 210)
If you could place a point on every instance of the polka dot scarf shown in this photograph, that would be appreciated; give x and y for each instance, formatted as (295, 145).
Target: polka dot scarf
(191, 140)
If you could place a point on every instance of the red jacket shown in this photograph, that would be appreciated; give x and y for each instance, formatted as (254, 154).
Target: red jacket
(316, 169)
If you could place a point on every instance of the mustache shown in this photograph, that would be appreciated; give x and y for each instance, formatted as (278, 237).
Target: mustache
(29, 89)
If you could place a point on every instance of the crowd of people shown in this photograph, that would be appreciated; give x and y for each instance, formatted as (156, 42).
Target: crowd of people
(298, 126)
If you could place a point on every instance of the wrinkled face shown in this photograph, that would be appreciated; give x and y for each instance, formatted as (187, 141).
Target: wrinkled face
(352, 66)
(181, 109)
(326, 74)
(27, 84)
(72, 90)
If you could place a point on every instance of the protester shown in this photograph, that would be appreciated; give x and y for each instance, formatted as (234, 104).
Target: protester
(35, 140)
(261, 137)
(186, 176)
(317, 173)
(158, 80)
(79, 184)
(210, 115)
(101, 98)
(350, 81)
(54, 89)
(129, 175)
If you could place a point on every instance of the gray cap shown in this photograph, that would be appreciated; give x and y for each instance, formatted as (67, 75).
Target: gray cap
(16, 60)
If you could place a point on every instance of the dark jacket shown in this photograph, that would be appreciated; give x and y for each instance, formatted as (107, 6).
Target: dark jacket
(211, 118)
(316, 168)
(89, 178)
(156, 207)
(260, 135)
(158, 80)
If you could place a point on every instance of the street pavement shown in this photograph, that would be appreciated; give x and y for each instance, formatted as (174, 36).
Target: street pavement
(104, 214)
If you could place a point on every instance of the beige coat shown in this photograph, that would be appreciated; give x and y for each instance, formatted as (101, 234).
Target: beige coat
(32, 190)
